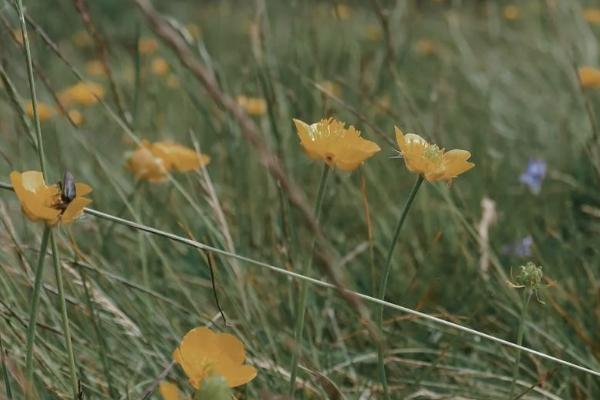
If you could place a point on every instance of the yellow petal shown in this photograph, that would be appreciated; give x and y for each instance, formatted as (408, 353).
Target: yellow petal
(239, 375)
(169, 391)
(81, 189)
(74, 209)
(181, 158)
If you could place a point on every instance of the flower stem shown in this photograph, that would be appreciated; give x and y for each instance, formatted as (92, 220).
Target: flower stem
(38, 127)
(384, 281)
(35, 302)
(300, 309)
(521, 332)
(65, 317)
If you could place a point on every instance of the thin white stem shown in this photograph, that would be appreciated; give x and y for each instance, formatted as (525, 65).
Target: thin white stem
(328, 285)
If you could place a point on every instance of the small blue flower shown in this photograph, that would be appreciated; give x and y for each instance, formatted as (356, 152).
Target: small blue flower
(534, 175)
(521, 248)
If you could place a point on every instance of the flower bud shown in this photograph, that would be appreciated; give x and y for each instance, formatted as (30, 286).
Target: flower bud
(529, 276)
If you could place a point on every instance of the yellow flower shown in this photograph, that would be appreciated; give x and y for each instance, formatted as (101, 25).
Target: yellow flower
(255, 106)
(203, 353)
(95, 68)
(145, 165)
(178, 157)
(76, 117)
(589, 77)
(147, 46)
(194, 30)
(170, 391)
(45, 111)
(331, 88)
(373, 32)
(45, 203)
(153, 161)
(340, 147)
(342, 11)
(592, 15)
(425, 47)
(429, 160)
(173, 81)
(159, 66)
(511, 12)
(82, 39)
(84, 93)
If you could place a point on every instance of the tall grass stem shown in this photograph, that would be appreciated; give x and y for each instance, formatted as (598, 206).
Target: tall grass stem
(521, 332)
(300, 309)
(384, 281)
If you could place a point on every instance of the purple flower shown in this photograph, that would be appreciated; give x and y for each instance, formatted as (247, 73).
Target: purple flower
(534, 175)
(521, 248)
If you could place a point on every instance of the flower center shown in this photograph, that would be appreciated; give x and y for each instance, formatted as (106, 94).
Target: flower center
(433, 153)
(329, 158)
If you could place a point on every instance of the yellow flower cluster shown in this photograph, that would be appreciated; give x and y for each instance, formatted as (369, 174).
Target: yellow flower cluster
(153, 161)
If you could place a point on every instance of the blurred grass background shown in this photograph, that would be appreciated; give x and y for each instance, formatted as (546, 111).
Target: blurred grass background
(464, 74)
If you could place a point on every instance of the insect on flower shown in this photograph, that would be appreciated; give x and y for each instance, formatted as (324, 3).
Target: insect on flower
(68, 190)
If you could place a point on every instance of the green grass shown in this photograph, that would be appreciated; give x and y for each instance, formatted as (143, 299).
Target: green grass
(505, 90)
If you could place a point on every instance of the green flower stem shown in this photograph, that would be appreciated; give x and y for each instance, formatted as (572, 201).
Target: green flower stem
(300, 309)
(35, 302)
(38, 127)
(384, 281)
(526, 299)
(65, 317)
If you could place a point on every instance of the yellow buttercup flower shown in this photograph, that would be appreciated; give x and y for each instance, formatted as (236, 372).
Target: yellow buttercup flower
(340, 147)
(76, 117)
(203, 353)
(45, 111)
(83, 93)
(169, 391)
(254, 106)
(147, 46)
(82, 39)
(428, 160)
(41, 202)
(511, 12)
(592, 15)
(425, 47)
(589, 77)
(95, 68)
(145, 165)
(159, 66)
(331, 88)
(153, 161)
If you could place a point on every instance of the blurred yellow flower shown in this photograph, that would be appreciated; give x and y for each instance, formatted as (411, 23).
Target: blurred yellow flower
(170, 391)
(178, 157)
(342, 11)
(255, 106)
(373, 32)
(331, 88)
(82, 39)
(145, 165)
(45, 203)
(173, 81)
(95, 68)
(18, 36)
(203, 353)
(153, 161)
(511, 12)
(84, 93)
(147, 46)
(592, 15)
(45, 111)
(429, 160)
(340, 147)
(425, 47)
(194, 30)
(76, 117)
(589, 77)
(159, 66)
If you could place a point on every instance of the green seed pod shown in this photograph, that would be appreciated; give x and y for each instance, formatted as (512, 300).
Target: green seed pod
(214, 388)
(529, 276)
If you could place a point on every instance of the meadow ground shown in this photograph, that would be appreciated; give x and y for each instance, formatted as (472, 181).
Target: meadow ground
(517, 85)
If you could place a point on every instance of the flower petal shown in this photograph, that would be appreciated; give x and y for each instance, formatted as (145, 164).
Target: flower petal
(74, 209)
